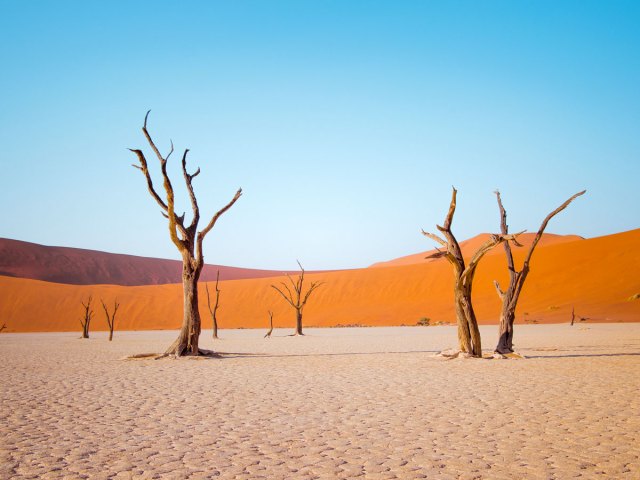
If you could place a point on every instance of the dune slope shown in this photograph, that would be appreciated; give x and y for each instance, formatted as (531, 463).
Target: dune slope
(596, 276)
(89, 267)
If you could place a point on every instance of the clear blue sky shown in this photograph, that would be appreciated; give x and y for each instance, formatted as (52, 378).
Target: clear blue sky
(345, 122)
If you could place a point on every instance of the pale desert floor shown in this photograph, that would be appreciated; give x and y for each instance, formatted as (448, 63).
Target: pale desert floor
(337, 403)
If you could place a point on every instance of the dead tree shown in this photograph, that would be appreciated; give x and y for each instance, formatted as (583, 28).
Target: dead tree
(268, 334)
(573, 315)
(295, 297)
(187, 240)
(213, 311)
(86, 320)
(4, 325)
(468, 333)
(511, 295)
(111, 319)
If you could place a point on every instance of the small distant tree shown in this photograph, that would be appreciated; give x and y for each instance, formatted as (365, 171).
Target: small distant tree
(270, 331)
(511, 295)
(86, 320)
(111, 318)
(468, 332)
(295, 297)
(212, 311)
(4, 325)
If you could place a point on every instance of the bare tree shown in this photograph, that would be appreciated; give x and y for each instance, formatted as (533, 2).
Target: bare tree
(187, 240)
(573, 315)
(111, 319)
(86, 320)
(295, 297)
(511, 295)
(268, 334)
(468, 333)
(4, 325)
(212, 311)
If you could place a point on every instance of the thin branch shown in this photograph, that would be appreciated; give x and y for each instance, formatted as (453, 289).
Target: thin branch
(313, 286)
(192, 196)
(284, 296)
(544, 225)
(214, 219)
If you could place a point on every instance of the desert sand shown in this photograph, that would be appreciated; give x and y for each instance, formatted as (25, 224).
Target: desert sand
(598, 277)
(337, 403)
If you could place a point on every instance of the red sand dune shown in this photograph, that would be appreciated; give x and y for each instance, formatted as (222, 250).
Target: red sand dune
(599, 277)
(89, 267)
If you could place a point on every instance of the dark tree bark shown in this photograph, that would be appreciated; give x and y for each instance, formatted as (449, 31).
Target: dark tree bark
(111, 319)
(469, 340)
(295, 297)
(511, 295)
(86, 320)
(213, 311)
(270, 331)
(187, 240)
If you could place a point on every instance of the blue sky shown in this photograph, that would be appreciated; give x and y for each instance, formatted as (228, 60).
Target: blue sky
(345, 122)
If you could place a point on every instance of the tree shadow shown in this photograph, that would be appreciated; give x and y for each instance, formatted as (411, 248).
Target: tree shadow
(586, 355)
(224, 355)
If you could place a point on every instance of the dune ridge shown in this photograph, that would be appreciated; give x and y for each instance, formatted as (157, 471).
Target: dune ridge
(598, 277)
(79, 266)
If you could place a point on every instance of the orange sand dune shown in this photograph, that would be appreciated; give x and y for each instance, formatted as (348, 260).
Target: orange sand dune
(599, 277)
(471, 245)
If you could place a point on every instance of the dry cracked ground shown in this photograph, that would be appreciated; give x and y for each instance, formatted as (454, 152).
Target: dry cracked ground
(337, 403)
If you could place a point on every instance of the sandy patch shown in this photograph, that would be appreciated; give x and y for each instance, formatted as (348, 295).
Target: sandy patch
(337, 403)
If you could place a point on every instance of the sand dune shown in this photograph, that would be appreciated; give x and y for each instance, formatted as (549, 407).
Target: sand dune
(89, 267)
(596, 276)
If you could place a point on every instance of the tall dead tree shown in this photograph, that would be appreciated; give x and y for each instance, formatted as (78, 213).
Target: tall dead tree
(86, 320)
(186, 238)
(511, 295)
(468, 333)
(295, 297)
(111, 318)
(214, 310)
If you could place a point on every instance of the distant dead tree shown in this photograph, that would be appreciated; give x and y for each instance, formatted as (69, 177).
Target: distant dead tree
(4, 325)
(187, 240)
(295, 297)
(268, 334)
(212, 311)
(111, 318)
(468, 333)
(511, 295)
(573, 315)
(86, 320)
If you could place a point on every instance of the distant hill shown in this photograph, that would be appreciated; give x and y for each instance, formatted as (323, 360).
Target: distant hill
(77, 266)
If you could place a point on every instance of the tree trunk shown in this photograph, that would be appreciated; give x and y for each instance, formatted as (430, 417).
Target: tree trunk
(469, 339)
(187, 341)
(111, 334)
(299, 322)
(85, 330)
(505, 341)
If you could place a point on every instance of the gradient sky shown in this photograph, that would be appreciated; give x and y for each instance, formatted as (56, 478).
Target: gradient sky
(345, 122)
